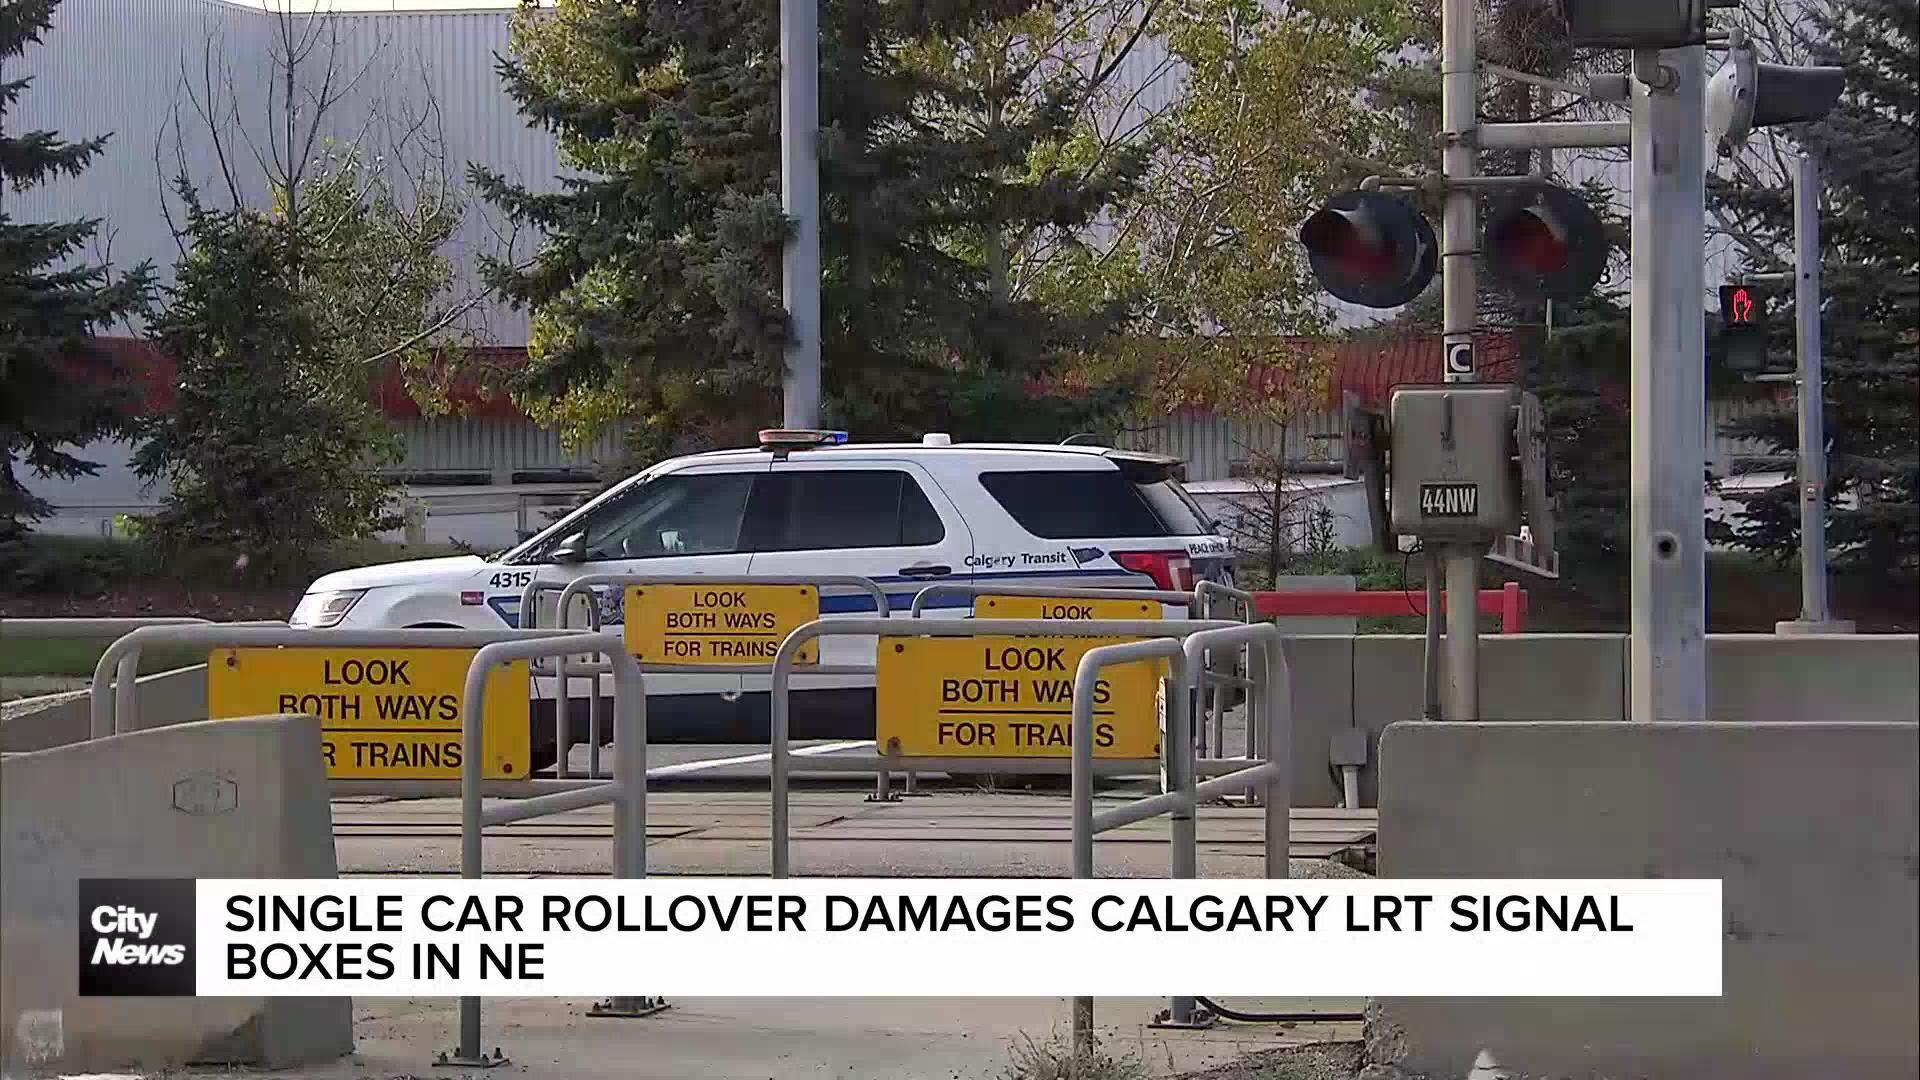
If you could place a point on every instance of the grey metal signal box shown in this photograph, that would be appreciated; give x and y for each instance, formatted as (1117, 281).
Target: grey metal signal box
(1456, 462)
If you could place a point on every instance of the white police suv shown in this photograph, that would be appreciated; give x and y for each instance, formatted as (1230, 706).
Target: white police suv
(810, 503)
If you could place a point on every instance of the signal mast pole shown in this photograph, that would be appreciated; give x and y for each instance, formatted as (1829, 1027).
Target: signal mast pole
(800, 199)
(1816, 616)
(1459, 100)
(1668, 416)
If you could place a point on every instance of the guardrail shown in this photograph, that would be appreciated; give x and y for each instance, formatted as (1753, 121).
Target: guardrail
(1184, 791)
(782, 681)
(582, 586)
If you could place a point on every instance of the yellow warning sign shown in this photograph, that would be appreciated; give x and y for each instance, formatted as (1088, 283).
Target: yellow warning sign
(1048, 607)
(1009, 697)
(718, 624)
(384, 713)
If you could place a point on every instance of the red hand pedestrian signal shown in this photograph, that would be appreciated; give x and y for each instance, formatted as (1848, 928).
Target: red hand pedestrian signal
(1742, 306)
(1743, 316)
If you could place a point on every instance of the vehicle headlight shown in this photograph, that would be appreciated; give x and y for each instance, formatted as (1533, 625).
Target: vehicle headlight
(324, 609)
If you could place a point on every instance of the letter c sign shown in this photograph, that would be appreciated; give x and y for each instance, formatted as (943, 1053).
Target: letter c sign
(1459, 358)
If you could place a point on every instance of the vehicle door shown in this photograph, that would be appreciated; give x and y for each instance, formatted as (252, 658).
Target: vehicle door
(684, 523)
(887, 520)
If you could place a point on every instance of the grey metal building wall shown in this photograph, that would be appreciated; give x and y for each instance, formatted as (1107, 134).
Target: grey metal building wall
(501, 447)
(114, 67)
(126, 67)
(1212, 444)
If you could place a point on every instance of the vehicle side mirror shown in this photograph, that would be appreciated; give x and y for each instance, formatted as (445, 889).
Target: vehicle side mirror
(571, 550)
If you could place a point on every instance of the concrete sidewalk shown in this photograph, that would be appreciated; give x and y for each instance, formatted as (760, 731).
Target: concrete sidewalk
(785, 1039)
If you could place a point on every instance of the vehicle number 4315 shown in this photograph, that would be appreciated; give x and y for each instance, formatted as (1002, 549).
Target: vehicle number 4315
(514, 579)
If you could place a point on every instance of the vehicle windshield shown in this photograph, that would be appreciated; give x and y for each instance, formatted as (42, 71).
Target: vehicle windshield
(534, 548)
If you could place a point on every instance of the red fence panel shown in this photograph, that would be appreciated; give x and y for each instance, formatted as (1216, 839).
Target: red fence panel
(1509, 602)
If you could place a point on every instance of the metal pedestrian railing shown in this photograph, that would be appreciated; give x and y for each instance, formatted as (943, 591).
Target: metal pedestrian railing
(627, 792)
(782, 682)
(1215, 687)
(583, 586)
(923, 598)
(1185, 792)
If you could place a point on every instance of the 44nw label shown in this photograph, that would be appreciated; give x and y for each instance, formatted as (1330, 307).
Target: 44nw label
(1449, 500)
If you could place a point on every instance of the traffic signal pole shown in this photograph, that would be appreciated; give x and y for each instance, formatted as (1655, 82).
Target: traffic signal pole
(1811, 474)
(1668, 419)
(1459, 101)
(800, 199)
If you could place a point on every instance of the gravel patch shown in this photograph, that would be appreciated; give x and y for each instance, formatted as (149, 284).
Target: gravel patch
(1331, 1061)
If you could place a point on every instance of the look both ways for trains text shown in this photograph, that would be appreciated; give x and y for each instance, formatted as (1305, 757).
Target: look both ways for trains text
(385, 674)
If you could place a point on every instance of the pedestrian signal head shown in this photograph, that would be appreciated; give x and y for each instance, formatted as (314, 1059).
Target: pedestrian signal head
(1743, 328)
(1548, 242)
(1371, 249)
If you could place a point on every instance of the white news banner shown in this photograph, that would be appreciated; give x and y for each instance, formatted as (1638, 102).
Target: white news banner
(734, 937)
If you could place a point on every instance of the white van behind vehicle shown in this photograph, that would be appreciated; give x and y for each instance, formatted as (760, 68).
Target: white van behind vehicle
(808, 504)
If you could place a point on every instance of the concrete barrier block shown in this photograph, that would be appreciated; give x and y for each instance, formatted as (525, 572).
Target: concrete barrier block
(1553, 677)
(1321, 699)
(168, 697)
(1522, 677)
(231, 798)
(1768, 678)
(1814, 828)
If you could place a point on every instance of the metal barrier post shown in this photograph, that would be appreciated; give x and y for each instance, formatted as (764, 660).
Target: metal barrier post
(1275, 707)
(630, 810)
(628, 795)
(528, 618)
(1178, 751)
(1183, 855)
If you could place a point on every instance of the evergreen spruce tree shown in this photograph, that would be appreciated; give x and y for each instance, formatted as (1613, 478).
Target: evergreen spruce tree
(657, 297)
(1870, 277)
(57, 391)
(268, 452)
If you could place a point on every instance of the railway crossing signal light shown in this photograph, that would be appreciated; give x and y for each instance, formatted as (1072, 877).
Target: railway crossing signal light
(1743, 327)
(1746, 94)
(1548, 242)
(1371, 249)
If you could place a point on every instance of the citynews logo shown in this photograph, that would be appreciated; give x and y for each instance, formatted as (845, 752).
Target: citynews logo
(136, 937)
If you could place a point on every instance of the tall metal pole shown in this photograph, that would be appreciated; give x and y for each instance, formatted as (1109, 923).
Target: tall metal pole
(800, 198)
(1459, 98)
(1815, 616)
(1669, 408)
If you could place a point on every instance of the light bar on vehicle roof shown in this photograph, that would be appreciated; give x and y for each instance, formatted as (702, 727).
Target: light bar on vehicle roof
(799, 438)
